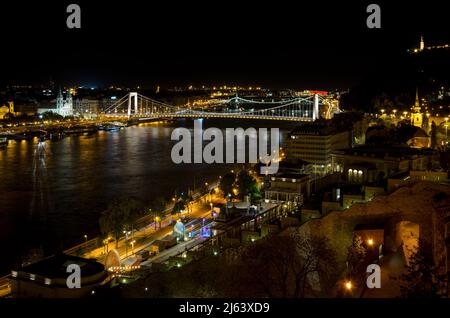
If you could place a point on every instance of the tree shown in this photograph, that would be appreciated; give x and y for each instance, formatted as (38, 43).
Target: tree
(433, 136)
(248, 186)
(157, 209)
(422, 278)
(356, 255)
(284, 266)
(245, 183)
(52, 116)
(179, 206)
(118, 217)
(227, 183)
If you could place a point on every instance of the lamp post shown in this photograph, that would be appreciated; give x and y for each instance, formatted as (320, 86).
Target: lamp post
(132, 246)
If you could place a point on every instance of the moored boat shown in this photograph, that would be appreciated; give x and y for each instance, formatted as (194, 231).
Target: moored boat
(3, 141)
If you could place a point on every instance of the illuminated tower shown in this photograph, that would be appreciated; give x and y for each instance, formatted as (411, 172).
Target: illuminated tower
(422, 44)
(59, 101)
(11, 107)
(416, 115)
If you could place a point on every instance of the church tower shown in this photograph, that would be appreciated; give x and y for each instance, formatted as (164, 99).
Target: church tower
(416, 115)
(59, 101)
(422, 44)
(68, 104)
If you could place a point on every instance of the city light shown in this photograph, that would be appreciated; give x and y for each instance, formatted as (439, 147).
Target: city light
(348, 285)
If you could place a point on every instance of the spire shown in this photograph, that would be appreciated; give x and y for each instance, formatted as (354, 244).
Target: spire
(417, 103)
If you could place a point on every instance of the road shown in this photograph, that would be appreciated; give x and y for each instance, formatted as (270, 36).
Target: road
(146, 235)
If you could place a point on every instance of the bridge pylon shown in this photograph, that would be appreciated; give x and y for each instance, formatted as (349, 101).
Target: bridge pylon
(315, 114)
(132, 98)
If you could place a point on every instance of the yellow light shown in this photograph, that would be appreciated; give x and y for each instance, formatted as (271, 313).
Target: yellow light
(348, 285)
(370, 242)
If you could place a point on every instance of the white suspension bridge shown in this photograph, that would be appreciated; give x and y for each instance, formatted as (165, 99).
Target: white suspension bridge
(135, 105)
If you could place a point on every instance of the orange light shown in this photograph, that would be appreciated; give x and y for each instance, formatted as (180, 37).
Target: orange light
(348, 285)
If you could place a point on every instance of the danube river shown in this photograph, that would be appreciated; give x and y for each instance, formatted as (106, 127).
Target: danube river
(52, 193)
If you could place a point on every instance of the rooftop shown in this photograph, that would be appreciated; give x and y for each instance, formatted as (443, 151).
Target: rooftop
(289, 175)
(383, 151)
(55, 266)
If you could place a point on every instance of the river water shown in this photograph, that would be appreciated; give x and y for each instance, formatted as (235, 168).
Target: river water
(52, 193)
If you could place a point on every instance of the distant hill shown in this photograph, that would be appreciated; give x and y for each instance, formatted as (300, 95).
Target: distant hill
(392, 83)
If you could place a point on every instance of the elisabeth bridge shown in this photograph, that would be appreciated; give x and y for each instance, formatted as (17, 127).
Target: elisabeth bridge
(136, 106)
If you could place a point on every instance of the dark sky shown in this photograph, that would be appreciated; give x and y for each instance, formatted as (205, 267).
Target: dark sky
(278, 44)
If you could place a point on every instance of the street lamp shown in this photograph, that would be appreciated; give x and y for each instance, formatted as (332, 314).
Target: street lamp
(157, 219)
(85, 238)
(348, 285)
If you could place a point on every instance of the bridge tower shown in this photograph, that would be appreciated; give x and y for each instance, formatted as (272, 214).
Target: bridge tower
(132, 96)
(316, 107)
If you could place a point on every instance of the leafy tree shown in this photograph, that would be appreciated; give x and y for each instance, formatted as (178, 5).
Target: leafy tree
(179, 206)
(227, 183)
(433, 135)
(157, 209)
(422, 278)
(245, 184)
(118, 217)
(283, 265)
(51, 116)
(248, 185)
(356, 255)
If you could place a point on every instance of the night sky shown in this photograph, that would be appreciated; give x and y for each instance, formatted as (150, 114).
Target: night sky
(281, 44)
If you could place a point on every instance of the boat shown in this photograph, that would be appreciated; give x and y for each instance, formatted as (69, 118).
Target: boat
(3, 141)
(113, 128)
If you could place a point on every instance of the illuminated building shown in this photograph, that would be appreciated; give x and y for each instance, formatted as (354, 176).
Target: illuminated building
(290, 188)
(7, 110)
(64, 107)
(86, 107)
(416, 115)
(314, 144)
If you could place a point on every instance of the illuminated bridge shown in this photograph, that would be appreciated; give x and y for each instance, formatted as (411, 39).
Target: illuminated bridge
(135, 105)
